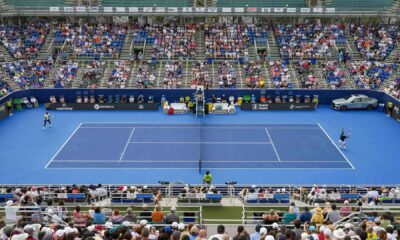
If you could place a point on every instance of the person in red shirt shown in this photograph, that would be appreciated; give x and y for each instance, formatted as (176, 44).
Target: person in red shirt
(157, 215)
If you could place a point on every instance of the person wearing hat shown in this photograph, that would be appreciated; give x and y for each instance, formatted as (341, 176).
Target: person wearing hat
(318, 217)
(171, 217)
(181, 227)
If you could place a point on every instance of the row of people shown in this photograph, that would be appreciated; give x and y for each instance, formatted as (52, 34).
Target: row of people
(120, 75)
(308, 40)
(374, 42)
(24, 41)
(91, 40)
(173, 74)
(370, 74)
(28, 73)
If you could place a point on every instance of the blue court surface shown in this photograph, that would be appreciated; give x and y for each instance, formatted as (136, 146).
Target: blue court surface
(133, 147)
(185, 146)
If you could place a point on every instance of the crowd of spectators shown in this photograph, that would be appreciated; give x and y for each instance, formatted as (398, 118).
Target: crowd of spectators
(146, 76)
(24, 41)
(92, 74)
(28, 73)
(308, 40)
(334, 74)
(200, 75)
(226, 75)
(252, 72)
(173, 74)
(307, 75)
(120, 75)
(227, 41)
(374, 42)
(66, 74)
(370, 74)
(394, 88)
(280, 75)
(5, 88)
(91, 40)
(171, 41)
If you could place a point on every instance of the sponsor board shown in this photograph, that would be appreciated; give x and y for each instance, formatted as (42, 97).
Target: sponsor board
(102, 106)
(277, 106)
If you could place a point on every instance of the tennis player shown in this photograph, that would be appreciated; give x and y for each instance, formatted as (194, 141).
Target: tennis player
(342, 139)
(47, 120)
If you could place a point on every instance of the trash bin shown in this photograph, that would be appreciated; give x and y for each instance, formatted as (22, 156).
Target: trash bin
(17, 103)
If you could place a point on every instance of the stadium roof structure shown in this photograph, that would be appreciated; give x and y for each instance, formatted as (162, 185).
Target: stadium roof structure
(203, 8)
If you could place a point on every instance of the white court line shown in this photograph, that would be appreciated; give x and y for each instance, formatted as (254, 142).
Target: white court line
(255, 143)
(273, 145)
(126, 145)
(168, 161)
(214, 168)
(194, 127)
(336, 146)
(62, 146)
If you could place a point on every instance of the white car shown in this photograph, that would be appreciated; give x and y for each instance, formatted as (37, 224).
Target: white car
(356, 101)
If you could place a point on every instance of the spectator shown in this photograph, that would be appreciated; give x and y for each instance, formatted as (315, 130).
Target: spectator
(305, 216)
(317, 217)
(333, 216)
(270, 218)
(79, 218)
(157, 215)
(130, 216)
(289, 216)
(346, 209)
(256, 235)
(116, 218)
(220, 233)
(98, 216)
(172, 217)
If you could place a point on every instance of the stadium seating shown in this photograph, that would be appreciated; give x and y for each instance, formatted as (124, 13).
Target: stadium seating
(146, 3)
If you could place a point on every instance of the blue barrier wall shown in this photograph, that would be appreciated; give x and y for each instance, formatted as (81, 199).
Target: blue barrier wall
(172, 95)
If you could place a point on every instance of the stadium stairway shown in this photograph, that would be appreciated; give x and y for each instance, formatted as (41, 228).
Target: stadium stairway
(356, 56)
(77, 82)
(240, 76)
(5, 77)
(294, 79)
(132, 79)
(186, 74)
(160, 74)
(273, 46)
(6, 56)
(46, 48)
(52, 75)
(200, 50)
(394, 9)
(350, 84)
(106, 75)
(148, 51)
(126, 48)
(322, 80)
(265, 73)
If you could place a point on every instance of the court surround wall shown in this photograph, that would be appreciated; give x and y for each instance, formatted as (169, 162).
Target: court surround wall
(173, 95)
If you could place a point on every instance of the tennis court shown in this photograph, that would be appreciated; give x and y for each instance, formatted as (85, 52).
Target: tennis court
(194, 146)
